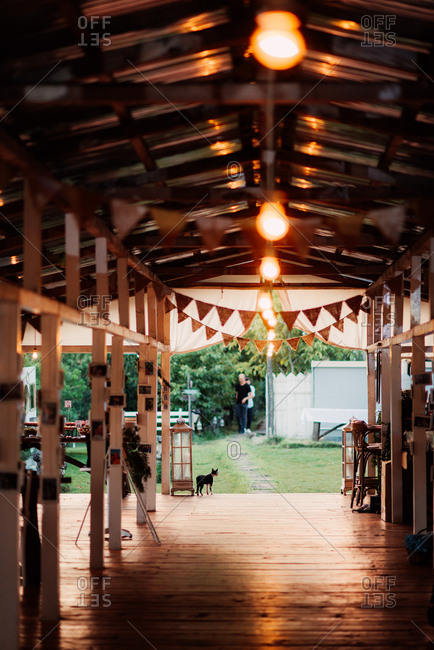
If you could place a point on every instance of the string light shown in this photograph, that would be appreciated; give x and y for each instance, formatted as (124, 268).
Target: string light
(14, 259)
(264, 301)
(272, 321)
(267, 313)
(34, 353)
(270, 268)
(271, 222)
(271, 335)
(277, 42)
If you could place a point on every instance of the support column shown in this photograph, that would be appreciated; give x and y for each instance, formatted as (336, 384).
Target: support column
(418, 366)
(98, 423)
(32, 241)
(150, 434)
(10, 411)
(395, 405)
(165, 409)
(143, 380)
(72, 243)
(50, 447)
(370, 360)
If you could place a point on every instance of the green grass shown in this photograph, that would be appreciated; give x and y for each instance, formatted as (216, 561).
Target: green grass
(291, 466)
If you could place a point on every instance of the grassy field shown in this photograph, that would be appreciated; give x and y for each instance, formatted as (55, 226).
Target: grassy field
(289, 466)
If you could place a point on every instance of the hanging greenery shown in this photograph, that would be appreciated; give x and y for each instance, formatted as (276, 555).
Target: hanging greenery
(136, 459)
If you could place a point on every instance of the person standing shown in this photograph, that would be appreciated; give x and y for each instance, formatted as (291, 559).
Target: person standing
(242, 394)
(250, 406)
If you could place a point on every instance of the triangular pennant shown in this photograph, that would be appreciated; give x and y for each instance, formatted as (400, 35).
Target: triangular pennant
(260, 345)
(169, 222)
(209, 332)
(212, 230)
(242, 342)
(395, 284)
(224, 314)
(352, 316)
(227, 338)
(203, 309)
(293, 343)
(289, 318)
(82, 202)
(182, 316)
(354, 304)
(182, 301)
(312, 314)
(41, 196)
(160, 289)
(339, 325)
(169, 306)
(325, 333)
(195, 325)
(309, 338)
(247, 318)
(277, 346)
(348, 227)
(302, 234)
(389, 221)
(334, 309)
(125, 216)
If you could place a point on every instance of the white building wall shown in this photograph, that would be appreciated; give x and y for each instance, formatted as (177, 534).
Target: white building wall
(292, 393)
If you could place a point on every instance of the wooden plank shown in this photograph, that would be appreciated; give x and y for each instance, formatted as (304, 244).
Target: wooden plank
(165, 408)
(72, 250)
(395, 407)
(50, 446)
(150, 436)
(10, 336)
(98, 423)
(116, 426)
(123, 292)
(142, 420)
(32, 241)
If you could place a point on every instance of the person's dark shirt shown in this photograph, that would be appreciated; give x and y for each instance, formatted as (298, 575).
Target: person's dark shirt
(242, 392)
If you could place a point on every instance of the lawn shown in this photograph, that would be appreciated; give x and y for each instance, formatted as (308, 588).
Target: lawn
(289, 466)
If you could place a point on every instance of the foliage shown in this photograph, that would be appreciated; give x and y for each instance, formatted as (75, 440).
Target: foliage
(76, 385)
(137, 460)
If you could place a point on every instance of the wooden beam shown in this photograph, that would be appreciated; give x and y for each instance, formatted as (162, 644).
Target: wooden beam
(165, 404)
(32, 240)
(10, 494)
(396, 406)
(150, 432)
(116, 426)
(72, 250)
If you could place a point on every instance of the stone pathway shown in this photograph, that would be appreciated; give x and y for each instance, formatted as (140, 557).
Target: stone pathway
(258, 481)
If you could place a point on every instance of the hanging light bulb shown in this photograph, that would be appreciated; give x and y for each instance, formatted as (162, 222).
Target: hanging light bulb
(269, 269)
(272, 321)
(34, 353)
(270, 350)
(271, 335)
(277, 42)
(272, 223)
(265, 301)
(14, 259)
(267, 314)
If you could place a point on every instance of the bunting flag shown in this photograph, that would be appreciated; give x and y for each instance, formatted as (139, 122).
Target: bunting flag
(352, 316)
(203, 309)
(325, 333)
(277, 346)
(182, 301)
(348, 227)
(312, 314)
(302, 234)
(125, 216)
(212, 230)
(209, 332)
(227, 338)
(247, 318)
(224, 313)
(169, 222)
(182, 316)
(354, 304)
(195, 325)
(334, 309)
(242, 342)
(293, 343)
(389, 221)
(339, 325)
(169, 306)
(289, 318)
(260, 345)
(309, 338)
(160, 289)
(395, 284)
(40, 196)
(83, 203)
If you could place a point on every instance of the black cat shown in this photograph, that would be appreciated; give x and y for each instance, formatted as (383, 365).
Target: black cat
(207, 479)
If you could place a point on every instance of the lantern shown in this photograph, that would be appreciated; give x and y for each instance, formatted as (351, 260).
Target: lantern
(182, 467)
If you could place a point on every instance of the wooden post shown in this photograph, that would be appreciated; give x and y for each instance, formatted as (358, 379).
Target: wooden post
(165, 408)
(431, 296)
(116, 412)
(50, 447)
(72, 243)
(32, 241)
(370, 361)
(395, 406)
(10, 411)
(150, 434)
(98, 424)
(418, 366)
(143, 379)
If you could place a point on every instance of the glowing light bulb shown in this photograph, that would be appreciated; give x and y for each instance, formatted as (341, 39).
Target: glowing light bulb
(14, 259)
(269, 269)
(277, 43)
(271, 335)
(272, 322)
(267, 313)
(34, 353)
(272, 223)
(264, 301)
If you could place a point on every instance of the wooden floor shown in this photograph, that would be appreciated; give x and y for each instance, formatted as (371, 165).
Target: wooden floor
(240, 571)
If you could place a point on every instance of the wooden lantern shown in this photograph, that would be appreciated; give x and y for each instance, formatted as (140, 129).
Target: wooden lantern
(182, 466)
